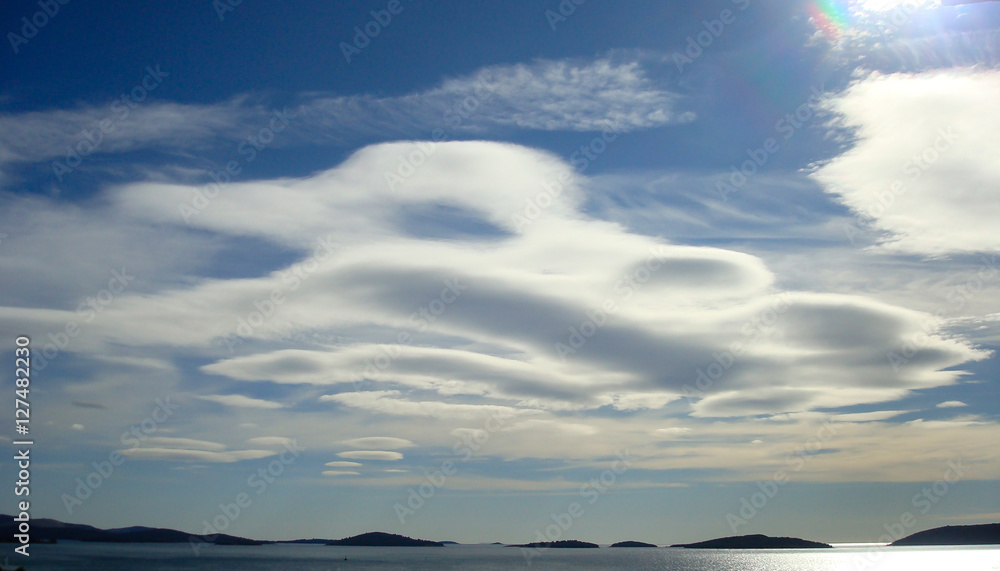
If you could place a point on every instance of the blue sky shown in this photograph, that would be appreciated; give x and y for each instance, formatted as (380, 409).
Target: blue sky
(443, 280)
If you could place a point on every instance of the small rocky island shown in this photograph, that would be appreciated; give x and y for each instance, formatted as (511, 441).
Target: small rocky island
(632, 544)
(755, 542)
(380, 539)
(565, 544)
(986, 534)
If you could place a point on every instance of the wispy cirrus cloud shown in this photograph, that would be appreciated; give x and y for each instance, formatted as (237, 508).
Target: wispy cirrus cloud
(547, 95)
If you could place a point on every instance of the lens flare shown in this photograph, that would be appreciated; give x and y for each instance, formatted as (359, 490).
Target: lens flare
(830, 17)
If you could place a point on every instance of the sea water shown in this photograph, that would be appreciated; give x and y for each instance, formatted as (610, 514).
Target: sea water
(72, 556)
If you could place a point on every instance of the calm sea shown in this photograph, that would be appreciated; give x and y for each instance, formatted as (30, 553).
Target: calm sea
(71, 556)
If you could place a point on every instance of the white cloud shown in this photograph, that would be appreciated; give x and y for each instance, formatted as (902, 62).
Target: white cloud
(380, 442)
(672, 431)
(186, 443)
(546, 427)
(886, 5)
(272, 441)
(869, 416)
(923, 167)
(386, 402)
(591, 95)
(340, 473)
(343, 464)
(241, 401)
(381, 455)
(180, 455)
(41, 135)
(571, 96)
(493, 351)
(952, 404)
(192, 450)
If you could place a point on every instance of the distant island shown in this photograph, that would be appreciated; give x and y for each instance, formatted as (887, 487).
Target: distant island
(565, 544)
(755, 542)
(986, 534)
(380, 539)
(51, 530)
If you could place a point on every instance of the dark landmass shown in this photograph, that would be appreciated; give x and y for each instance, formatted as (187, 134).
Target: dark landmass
(986, 534)
(51, 530)
(379, 539)
(632, 544)
(566, 544)
(754, 542)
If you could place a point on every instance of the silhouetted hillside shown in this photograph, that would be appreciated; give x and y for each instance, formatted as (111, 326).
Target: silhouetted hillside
(566, 544)
(986, 534)
(380, 539)
(754, 542)
(49, 529)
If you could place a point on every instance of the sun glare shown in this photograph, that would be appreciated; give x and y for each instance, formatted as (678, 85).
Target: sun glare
(887, 5)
